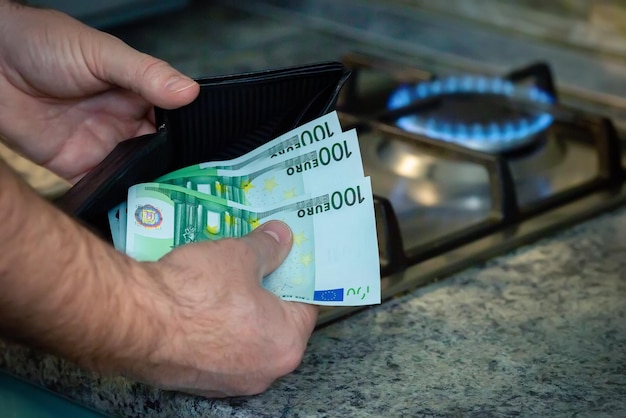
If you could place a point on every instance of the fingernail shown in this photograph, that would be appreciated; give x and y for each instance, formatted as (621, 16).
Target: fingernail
(178, 83)
(278, 230)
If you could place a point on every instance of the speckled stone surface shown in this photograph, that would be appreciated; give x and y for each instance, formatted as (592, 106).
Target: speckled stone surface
(539, 332)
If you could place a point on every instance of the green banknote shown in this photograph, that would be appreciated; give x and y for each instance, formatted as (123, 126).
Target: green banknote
(334, 259)
(280, 179)
(298, 141)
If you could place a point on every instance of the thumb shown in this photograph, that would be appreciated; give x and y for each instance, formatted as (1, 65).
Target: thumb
(272, 241)
(154, 79)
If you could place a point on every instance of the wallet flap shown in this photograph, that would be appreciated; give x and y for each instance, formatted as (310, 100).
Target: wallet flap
(235, 114)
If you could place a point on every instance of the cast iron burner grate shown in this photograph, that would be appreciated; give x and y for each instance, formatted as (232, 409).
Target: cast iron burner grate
(442, 206)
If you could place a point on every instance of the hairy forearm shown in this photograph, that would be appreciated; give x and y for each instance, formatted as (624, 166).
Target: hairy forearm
(65, 290)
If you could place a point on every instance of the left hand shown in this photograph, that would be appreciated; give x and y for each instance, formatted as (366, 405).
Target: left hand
(70, 93)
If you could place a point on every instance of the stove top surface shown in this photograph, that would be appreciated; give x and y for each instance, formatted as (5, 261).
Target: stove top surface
(467, 167)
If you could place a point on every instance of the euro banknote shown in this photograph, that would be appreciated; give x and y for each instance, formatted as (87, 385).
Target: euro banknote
(325, 129)
(334, 258)
(279, 179)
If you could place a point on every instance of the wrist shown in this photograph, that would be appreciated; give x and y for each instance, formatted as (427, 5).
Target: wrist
(156, 328)
(131, 328)
(66, 291)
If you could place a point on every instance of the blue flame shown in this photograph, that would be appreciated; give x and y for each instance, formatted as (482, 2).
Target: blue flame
(494, 136)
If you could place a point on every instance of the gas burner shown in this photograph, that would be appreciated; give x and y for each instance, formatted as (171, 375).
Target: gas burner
(431, 181)
(476, 112)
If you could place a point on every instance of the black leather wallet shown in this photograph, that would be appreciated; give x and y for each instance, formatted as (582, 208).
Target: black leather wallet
(232, 115)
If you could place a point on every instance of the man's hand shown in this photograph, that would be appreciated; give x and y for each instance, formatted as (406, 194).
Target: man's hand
(70, 93)
(196, 321)
(221, 333)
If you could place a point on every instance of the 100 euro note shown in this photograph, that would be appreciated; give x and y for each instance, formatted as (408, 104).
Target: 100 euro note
(280, 179)
(334, 259)
(324, 129)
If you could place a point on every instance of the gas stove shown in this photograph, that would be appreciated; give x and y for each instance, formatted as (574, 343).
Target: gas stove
(468, 166)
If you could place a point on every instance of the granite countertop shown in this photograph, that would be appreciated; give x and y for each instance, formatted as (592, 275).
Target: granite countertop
(537, 332)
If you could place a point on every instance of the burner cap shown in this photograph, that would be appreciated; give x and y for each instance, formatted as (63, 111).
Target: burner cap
(475, 112)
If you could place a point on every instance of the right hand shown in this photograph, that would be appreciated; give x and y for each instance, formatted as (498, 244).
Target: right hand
(222, 333)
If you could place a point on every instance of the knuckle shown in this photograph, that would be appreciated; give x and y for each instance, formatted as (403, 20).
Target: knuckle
(150, 67)
(240, 248)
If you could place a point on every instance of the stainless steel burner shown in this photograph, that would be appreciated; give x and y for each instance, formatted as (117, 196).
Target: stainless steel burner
(434, 196)
(439, 210)
(456, 183)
